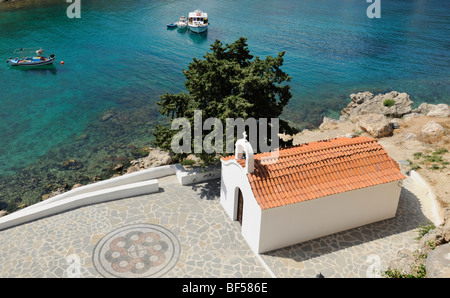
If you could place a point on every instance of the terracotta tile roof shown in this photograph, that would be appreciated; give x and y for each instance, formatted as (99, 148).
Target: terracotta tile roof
(318, 169)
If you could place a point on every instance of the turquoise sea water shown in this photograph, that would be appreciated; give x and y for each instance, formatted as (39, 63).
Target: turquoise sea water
(99, 107)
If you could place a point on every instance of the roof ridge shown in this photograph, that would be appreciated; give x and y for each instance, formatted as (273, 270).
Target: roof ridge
(362, 141)
(323, 168)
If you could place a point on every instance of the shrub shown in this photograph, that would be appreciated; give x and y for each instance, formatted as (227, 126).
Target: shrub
(413, 165)
(389, 102)
(419, 271)
(433, 158)
(188, 162)
(440, 151)
(424, 229)
(417, 155)
(434, 167)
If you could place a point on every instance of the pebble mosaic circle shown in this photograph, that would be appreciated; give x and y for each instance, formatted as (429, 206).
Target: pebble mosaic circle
(141, 250)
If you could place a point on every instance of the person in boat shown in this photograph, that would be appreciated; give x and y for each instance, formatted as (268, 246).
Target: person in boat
(39, 53)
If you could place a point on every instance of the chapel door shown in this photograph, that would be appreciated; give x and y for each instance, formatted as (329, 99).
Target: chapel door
(240, 207)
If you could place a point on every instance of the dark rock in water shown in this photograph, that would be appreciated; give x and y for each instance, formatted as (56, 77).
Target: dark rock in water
(83, 136)
(83, 178)
(107, 116)
(118, 167)
(72, 164)
(3, 213)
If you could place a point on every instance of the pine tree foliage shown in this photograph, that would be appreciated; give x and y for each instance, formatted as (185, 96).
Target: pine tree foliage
(228, 82)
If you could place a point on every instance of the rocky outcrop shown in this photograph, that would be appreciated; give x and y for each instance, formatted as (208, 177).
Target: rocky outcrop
(328, 123)
(439, 235)
(372, 113)
(392, 104)
(423, 109)
(431, 110)
(432, 129)
(438, 262)
(376, 125)
(440, 110)
(155, 158)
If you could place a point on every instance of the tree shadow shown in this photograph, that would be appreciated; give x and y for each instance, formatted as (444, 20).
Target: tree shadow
(409, 216)
(209, 190)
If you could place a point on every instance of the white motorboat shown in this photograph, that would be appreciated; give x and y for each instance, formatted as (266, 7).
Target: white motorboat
(182, 22)
(198, 21)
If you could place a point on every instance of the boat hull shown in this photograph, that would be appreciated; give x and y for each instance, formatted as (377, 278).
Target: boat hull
(198, 29)
(31, 64)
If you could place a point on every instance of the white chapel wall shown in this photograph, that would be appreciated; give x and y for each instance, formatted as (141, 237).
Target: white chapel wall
(233, 176)
(292, 224)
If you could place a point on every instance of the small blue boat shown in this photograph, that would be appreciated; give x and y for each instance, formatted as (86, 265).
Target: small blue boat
(30, 57)
(172, 25)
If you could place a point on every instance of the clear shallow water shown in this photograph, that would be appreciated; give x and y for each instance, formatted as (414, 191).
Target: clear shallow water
(119, 58)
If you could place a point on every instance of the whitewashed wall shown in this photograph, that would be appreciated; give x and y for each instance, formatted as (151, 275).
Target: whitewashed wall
(292, 224)
(233, 177)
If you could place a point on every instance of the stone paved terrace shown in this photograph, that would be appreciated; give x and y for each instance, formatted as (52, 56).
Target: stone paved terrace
(190, 235)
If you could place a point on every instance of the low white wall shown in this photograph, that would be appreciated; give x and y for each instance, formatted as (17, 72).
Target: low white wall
(94, 197)
(292, 224)
(143, 175)
(196, 175)
(137, 183)
(434, 204)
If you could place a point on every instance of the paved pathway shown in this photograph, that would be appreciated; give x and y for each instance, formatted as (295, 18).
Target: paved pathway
(184, 232)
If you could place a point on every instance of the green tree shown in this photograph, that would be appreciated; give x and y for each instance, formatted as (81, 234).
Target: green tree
(228, 83)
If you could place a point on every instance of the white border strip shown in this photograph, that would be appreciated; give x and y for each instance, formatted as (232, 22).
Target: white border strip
(143, 175)
(265, 265)
(418, 179)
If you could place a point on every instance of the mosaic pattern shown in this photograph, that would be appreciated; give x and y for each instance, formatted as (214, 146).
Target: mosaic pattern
(142, 250)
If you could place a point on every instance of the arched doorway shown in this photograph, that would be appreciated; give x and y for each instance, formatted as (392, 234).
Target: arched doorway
(240, 206)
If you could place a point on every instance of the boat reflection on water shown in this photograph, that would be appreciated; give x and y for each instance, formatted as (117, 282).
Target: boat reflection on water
(198, 38)
(51, 69)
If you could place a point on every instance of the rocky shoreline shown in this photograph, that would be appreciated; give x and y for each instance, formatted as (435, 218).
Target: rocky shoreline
(389, 117)
(403, 131)
(417, 138)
